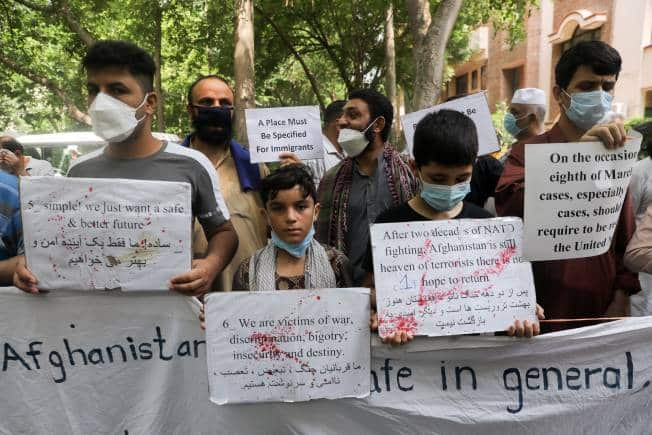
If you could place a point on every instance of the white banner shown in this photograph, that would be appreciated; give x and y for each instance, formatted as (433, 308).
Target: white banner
(573, 196)
(135, 363)
(291, 345)
(451, 277)
(474, 106)
(89, 233)
(284, 130)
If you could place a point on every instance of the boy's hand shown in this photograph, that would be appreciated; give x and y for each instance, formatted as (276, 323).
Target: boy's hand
(526, 328)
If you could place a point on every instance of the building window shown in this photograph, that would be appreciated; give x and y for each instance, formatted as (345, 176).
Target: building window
(474, 79)
(513, 77)
(483, 77)
(581, 35)
(462, 84)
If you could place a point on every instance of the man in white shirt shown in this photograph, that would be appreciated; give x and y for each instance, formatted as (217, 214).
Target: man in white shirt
(333, 153)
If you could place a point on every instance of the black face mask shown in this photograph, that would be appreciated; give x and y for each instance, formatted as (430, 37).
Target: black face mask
(207, 119)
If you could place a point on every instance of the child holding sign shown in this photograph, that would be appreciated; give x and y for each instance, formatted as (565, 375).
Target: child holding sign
(292, 259)
(445, 148)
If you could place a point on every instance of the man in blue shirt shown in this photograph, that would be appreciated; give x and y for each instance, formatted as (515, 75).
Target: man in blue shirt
(11, 229)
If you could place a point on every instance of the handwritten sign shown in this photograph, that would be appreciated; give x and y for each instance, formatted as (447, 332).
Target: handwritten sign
(105, 234)
(288, 345)
(451, 277)
(284, 130)
(573, 196)
(474, 106)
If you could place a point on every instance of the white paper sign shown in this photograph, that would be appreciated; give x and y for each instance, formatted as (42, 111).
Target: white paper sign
(89, 233)
(474, 106)
(288, 346)
(284, 130)
(451, 277)
(573, 196)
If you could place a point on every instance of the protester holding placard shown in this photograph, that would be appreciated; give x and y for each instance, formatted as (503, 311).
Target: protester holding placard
(445, 148)
(122, 102)
(210, 106)
(372, 178)
(585, 78)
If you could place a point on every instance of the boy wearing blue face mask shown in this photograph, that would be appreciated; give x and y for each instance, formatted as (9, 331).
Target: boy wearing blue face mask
(445, 148)
(293, 259)
(597, 286)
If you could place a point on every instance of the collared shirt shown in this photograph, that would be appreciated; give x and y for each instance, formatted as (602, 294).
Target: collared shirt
(248, 221)
(319, 166)
(579, 287)
(369, 197)
(331, 156)
(11, 229)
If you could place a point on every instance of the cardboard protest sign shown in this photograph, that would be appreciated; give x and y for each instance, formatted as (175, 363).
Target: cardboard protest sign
(284, 130)
(291, 345)
(474, 106)
(573, 196)
(451, 277)
(105, 234)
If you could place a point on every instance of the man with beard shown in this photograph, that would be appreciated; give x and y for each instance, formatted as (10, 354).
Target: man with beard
(210, 106)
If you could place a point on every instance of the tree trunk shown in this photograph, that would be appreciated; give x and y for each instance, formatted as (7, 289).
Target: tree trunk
(290, 46)
(158, 88)
(243, 65)
(430, 36)
(62, 9)
(73, 110)
(390, 69)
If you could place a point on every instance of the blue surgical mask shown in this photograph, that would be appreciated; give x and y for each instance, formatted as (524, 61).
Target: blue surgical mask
(509, 122)
(442, 197)
(588, 108)
(294, 249)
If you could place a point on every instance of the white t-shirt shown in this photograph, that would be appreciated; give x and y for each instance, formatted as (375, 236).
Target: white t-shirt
(39, 167)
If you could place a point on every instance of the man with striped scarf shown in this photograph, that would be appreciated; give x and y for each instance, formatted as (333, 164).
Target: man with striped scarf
(373, 177)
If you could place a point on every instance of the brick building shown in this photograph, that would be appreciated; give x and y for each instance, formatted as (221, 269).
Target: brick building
(551, 29)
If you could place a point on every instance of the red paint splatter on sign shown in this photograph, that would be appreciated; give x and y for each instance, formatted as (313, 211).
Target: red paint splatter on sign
(406, 323)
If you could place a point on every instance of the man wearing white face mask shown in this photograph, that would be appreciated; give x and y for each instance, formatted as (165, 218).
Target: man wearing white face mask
(584, 287)
(122, 102)
(372, 178)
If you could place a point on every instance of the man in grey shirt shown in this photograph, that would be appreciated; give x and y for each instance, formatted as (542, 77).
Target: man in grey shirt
(122, 103)
(372, 178)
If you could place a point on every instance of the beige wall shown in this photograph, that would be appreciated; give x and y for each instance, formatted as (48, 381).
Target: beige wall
(628, 39)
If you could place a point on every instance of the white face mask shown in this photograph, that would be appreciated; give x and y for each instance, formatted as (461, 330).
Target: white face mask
(353, 142)
(113, 120)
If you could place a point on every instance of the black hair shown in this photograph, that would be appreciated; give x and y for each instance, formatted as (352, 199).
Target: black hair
(446, 137)
(333, 111)
(12, 145)
(602, 58)
(200, 78)
(122, 54)
(286, 177)
(379, 105)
